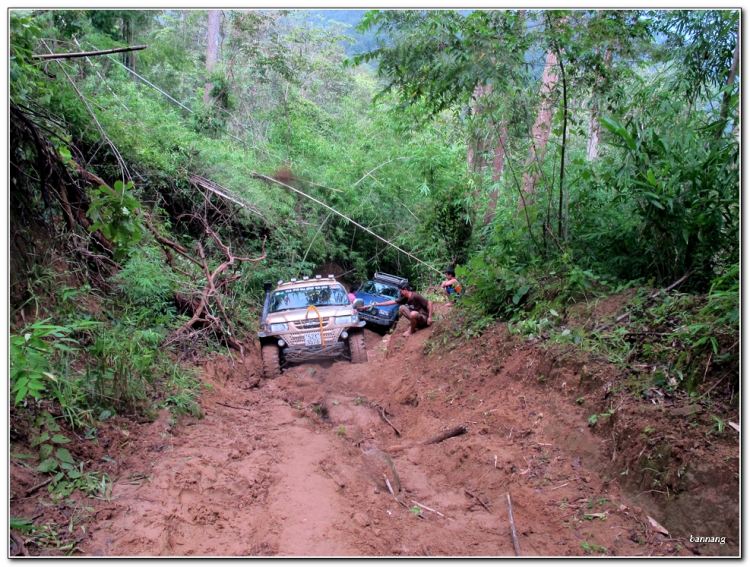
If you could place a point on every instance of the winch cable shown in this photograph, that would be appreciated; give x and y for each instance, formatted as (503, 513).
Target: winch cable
(272, 180)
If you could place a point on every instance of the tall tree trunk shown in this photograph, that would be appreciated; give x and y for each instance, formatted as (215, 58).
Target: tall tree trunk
(595, 127)
(540, 131)
(563, 196)
(475, 150)
(497, 170)
(212, 51)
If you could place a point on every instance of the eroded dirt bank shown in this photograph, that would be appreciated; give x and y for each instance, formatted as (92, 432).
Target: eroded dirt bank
(281, 469)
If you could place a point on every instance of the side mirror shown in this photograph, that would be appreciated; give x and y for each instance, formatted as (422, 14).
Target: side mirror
(359, 302)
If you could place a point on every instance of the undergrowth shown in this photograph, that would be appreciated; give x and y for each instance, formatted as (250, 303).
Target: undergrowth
(674, 337)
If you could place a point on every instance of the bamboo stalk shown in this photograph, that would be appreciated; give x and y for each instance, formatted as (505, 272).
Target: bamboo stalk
(88, 53)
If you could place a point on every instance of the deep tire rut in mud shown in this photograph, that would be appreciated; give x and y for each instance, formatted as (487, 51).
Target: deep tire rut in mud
(283, 469)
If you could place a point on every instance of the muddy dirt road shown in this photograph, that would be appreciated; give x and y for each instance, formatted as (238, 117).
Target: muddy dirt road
(283, 469)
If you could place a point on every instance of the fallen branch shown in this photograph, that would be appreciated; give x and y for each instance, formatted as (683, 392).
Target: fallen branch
(513, 526)
(456, 431)
(214, 187)
(382, 413)
(431, 510)
(466, 490)
(38, 486)
(88, 53)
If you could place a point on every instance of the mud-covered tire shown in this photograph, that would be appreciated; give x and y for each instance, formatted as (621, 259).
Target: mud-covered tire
(271, 362)
(357, 348)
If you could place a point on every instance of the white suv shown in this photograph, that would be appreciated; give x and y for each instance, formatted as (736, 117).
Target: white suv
(309, 319)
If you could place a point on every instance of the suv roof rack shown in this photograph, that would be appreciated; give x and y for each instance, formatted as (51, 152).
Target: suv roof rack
(388, 278)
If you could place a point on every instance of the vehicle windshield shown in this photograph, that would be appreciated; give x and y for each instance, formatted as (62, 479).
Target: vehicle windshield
(302, 298)
(377, 288)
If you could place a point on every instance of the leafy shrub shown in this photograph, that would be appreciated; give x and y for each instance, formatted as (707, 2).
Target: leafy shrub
(115, 215)
(122, 373)
(31, 356)
(147, 288)
(492, 287)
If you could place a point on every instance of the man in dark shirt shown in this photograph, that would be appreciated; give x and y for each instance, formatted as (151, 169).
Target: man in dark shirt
(414, 307)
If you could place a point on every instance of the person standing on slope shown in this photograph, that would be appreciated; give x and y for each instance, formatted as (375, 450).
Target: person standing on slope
(414, 307)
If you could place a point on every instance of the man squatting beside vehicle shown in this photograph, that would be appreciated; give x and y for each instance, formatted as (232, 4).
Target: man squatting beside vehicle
(412, 306)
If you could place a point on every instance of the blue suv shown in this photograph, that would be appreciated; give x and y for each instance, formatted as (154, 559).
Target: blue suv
(382, 287)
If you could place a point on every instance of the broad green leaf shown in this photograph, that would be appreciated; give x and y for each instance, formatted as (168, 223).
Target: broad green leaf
(21, 394)
(60, 439)
(611, 124)
(41, 439)
(628, 139)
(65, 456)
(45, 451)
(48, 465)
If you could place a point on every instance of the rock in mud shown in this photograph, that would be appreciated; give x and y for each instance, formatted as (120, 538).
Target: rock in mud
(377, 465)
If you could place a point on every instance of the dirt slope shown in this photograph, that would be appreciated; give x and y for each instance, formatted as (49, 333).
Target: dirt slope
(285, 469)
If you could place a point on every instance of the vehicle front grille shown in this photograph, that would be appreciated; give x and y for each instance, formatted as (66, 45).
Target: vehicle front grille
(312, 323)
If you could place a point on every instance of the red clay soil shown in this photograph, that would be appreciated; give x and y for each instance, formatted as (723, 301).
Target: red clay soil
(283, 469)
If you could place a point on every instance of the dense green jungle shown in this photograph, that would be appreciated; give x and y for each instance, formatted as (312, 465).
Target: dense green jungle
(164, 164)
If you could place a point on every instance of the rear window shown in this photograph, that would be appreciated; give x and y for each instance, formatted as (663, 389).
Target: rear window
(377, 288)
(302, 298)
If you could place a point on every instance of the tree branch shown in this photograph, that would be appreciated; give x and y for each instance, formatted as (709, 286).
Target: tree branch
(88, 53)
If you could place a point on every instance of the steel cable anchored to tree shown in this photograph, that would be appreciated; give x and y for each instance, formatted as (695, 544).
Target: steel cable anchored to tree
(321, 203)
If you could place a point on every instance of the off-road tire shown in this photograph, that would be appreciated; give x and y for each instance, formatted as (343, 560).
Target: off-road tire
(271, 362)
(357, 348)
